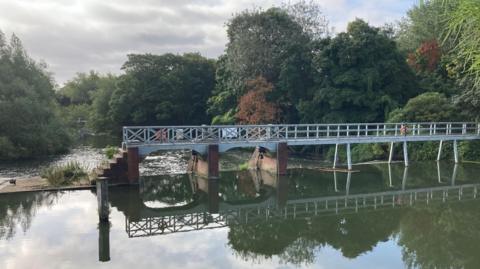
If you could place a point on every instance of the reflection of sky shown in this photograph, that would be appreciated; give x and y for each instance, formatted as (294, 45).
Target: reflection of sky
(66, 236)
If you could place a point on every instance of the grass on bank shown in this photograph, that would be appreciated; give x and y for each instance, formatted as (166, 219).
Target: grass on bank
(111, 151)
(64, 175)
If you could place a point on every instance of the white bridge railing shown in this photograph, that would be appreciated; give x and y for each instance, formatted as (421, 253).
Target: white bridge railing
(135, 135)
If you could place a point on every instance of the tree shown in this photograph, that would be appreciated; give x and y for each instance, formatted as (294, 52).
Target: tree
(360, 77)
(426, 107)
(30, 125)
(253, 107)
(163, 89)
(270, 44)
(80, 89)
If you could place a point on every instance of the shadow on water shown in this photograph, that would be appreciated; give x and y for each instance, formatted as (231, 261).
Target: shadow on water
(430, 209)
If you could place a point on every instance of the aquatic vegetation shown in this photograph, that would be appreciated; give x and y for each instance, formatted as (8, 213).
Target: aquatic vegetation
(67, 174)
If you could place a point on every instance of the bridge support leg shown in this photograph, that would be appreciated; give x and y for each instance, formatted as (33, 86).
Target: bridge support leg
(405, 153)
(335, 157)
(390, 155)
(282, 158)
(349, 157)
(213, 161)
(439, 155)
(133, 160)
(205, 166)
(455, 150)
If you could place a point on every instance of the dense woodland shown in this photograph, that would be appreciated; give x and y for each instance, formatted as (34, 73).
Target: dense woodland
(280, 65)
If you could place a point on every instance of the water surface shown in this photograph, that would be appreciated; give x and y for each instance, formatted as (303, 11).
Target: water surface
(382, 217)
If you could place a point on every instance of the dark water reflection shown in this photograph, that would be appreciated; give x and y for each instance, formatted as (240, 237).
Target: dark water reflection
(381, 217)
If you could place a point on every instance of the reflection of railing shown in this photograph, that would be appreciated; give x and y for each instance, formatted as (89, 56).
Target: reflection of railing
(253, 133)
(343, 204)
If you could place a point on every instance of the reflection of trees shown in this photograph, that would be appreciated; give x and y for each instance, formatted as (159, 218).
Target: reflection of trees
(171, 189)
(442, 236)
(19, 209)
(295, 241)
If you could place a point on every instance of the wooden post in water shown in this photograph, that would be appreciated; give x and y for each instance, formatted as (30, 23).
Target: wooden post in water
(102, 199)
(104, 241)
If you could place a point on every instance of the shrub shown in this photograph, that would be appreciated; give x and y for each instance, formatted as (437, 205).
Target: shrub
(111, 151)
(67, 174)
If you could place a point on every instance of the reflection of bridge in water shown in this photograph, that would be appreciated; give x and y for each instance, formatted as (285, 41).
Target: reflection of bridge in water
(217, 214)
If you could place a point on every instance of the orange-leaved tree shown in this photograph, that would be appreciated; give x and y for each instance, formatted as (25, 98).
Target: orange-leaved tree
(253, 106)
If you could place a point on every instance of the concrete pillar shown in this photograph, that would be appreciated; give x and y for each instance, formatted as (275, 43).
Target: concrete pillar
(390, 155)
(213, 157)
(335, 186)
(282, 158)
(335, 156)
(282, 191)
(133, 161)
(213, 198)
(349, 157)
(455, 150)
(405, 153)
(104, 241)
(439, 155)
(102, 199)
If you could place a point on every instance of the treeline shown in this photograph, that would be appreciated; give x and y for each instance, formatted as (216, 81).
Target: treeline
(283, 65)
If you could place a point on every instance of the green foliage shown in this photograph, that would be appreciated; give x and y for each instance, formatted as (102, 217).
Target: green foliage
(369, 152)
(80, 89)
(29, 119)
(270, 44)
(111, 151)
(429, 106)
(161, 90)
(360, 77)
(67, 174)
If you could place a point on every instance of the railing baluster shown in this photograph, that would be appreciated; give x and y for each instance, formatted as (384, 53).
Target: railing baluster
(378, 130)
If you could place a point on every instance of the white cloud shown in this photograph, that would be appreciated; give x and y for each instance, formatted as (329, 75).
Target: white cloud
(77, 36)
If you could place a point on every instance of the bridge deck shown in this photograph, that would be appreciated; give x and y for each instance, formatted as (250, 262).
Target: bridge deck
(230, 136)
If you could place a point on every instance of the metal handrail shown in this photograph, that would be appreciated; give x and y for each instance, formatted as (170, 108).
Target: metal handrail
(276, 132)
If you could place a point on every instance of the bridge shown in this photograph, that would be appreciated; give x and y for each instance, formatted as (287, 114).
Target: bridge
(207, 141)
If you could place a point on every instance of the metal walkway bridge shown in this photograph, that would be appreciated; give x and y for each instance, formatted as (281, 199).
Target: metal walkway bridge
(153, 138)
(140, 141)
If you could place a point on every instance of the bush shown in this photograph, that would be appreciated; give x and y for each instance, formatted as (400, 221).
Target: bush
(62, 175)
(111, 151)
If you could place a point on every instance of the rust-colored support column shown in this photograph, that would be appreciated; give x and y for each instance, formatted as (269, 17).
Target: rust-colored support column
(282, 158)
(213, 161)
(133, 160)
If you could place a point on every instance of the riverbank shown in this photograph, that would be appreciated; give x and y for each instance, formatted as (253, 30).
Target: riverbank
(38, 184)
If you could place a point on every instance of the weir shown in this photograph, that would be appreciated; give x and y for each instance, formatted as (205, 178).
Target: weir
(207, 143)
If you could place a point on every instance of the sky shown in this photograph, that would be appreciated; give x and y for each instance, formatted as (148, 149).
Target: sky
(73, 36)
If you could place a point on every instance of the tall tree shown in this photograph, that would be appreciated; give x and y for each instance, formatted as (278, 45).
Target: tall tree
(163, 89)
(253, 107)
(30, 125)
(270, 44)
(360, 76)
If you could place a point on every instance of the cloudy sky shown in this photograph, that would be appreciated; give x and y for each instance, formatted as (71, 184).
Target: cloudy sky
(79, 35)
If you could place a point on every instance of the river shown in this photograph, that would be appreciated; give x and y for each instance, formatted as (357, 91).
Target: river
(380, 217)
